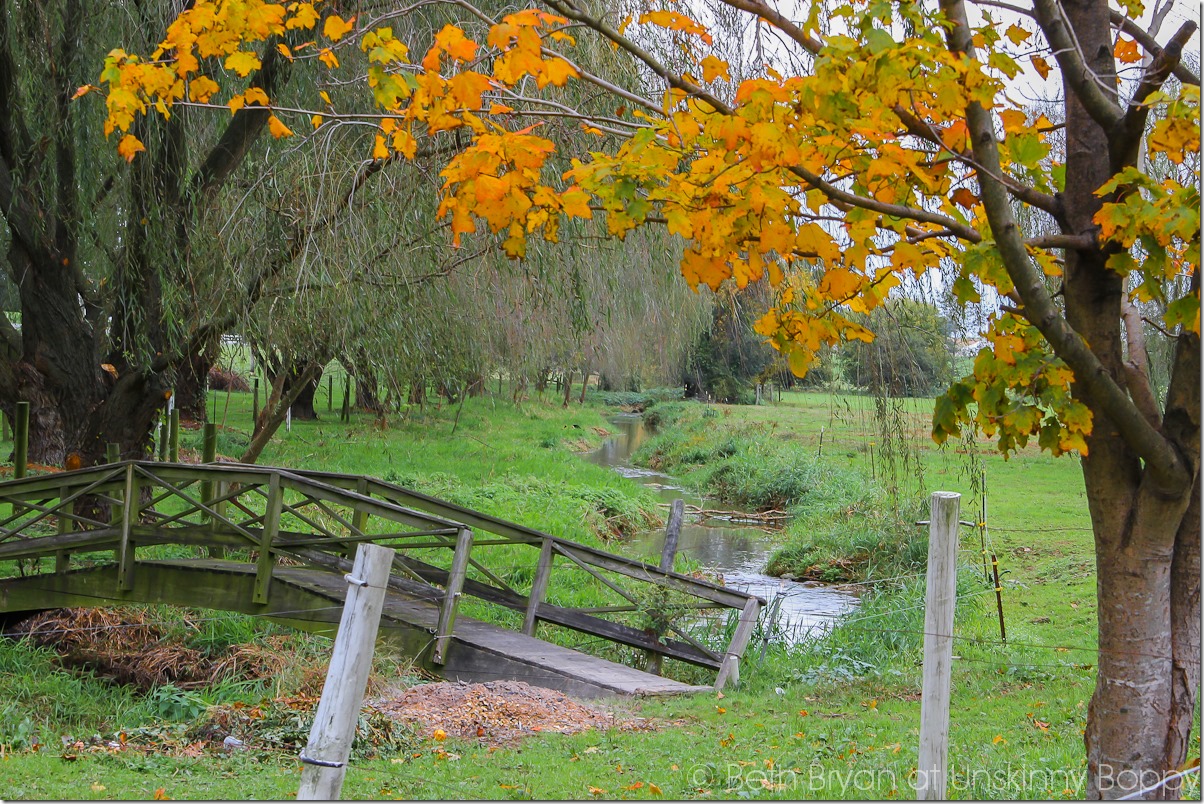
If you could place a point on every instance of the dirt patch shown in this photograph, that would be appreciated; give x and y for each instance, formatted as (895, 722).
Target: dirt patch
(499, 712)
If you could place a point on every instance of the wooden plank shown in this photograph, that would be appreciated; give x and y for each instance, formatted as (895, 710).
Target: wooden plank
(47, 545)
(539, 586)
(451, 595)
(385, 510)
(730, 669)
(271, 527)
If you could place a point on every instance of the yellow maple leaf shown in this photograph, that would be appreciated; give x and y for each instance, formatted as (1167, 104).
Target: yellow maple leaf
(283, 50)
(129, 146)
(1016, 34)
(202, 88)
(305, 16)
(713, 68)
(327, 57)
(557, 72)
(335, 27)
(277, 128)
(1174, 137)
(1040, 65)
(242, 62)
(654, 789)
(255, 95)
(839, 283)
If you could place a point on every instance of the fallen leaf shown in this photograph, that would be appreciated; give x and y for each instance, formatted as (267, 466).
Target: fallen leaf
(999, 738)
(161, 795)
(634, 786)
(440, 735)
(653, 789)
(595, 791)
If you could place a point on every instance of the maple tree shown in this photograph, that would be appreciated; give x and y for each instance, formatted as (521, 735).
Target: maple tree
(879, 141)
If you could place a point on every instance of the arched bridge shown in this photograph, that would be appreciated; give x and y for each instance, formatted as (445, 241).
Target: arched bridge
(275, 543)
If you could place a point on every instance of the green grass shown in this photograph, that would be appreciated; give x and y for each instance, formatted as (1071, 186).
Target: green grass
(845, 725)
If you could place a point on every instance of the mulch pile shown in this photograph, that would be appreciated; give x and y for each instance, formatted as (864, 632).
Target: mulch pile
(498, 712)
(127, 646)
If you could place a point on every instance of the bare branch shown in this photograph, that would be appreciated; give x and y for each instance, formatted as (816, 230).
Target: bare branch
(1079, 78)
(1143, 38)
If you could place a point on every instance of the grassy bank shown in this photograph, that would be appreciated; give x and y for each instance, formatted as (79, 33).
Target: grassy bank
(831, 719)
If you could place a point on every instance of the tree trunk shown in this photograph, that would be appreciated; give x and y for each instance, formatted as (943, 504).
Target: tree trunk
(303, 403)
(192, 382)
(367, 392)
(283, 396)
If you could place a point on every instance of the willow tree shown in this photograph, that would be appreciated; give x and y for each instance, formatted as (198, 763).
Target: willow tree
(884, 139)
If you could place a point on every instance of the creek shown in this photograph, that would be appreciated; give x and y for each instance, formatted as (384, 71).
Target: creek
(737, 551)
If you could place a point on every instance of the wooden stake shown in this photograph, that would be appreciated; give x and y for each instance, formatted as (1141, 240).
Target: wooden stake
(451, 596)
(330, 392)
(729, 670)
(941, 597)
(539, 586)
(173, 437)
(255, 405)
(668, 554)
(333, 731)
(21, 441)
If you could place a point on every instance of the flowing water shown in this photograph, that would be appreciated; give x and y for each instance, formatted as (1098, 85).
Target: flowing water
(736, 550)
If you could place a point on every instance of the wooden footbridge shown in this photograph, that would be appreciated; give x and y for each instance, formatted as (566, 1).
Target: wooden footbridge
(276, 543)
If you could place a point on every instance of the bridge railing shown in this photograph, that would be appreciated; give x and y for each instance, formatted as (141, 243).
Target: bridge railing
(261, 515)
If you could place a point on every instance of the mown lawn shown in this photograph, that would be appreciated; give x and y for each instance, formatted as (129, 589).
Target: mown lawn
(833, 719)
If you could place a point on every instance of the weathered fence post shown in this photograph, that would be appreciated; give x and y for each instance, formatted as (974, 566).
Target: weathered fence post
(451, 596)
(112, 453)
(326, 753)
(21, 441)
(346, 414)
(130, 503)
(729, 670)
(173, 436)
(668, 553)
(255, 405)
(539, 586)
(939, 602)
(208, 490)
(271, 528)
(329, 392)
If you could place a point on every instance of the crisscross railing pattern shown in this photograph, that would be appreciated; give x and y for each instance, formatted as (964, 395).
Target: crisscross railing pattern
(259, 515)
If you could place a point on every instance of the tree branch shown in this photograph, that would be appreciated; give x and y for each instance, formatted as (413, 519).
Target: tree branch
(1125, 139)
(1161, 457)
(1143, 38)
(1085, 84)
(246, 125)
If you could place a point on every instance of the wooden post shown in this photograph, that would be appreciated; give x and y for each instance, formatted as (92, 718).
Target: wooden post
(345, 416)
(1003, 632)
(539, 586)
(208, 489)
(359, 519)
(451, 596)
(255, 405)
(173, 437)
(931, 774)
(7, 426)
(668, 553)
(21, 441)
(112, 453)
(330, 737)
(129, 515)
(271, 528)
(329, 392)
(729, 670)
(163, 439)
(62, 559)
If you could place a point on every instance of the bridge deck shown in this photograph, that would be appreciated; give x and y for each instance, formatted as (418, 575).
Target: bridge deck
(312, 598)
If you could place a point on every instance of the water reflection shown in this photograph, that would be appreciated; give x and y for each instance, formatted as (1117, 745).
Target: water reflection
(735, 550)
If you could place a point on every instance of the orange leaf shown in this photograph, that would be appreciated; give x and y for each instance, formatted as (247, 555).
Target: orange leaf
(161, 795)
(1041, 66)
(654, 789)
(440, 735)
(327, 57)
(84, 90)
(277, 128)
(595, 791)
(964, 198)
(1126, 50)
(634, 786)
(129, 146)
